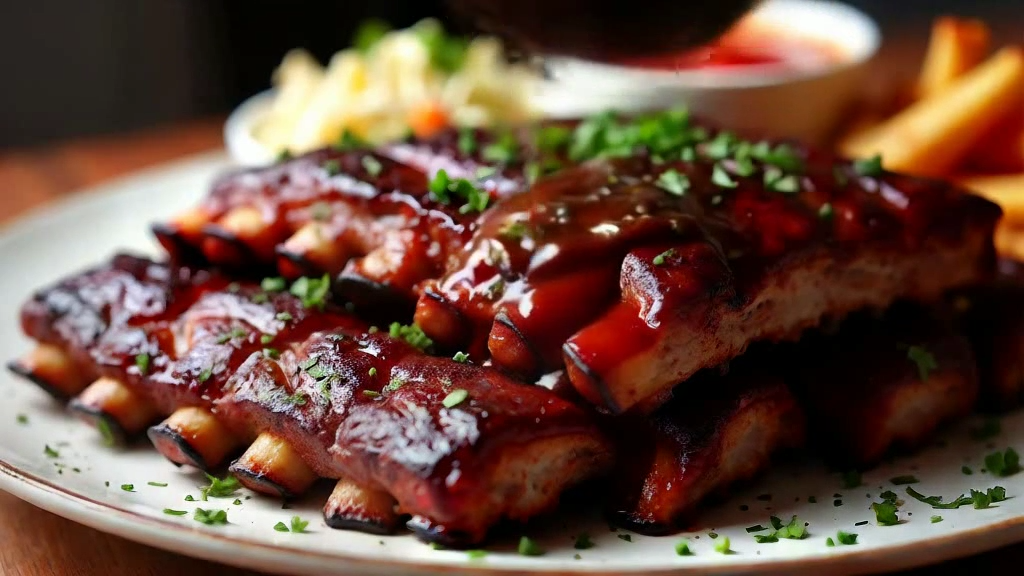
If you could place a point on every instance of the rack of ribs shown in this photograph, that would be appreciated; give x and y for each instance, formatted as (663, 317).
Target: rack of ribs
(635, 282)
(313, 393)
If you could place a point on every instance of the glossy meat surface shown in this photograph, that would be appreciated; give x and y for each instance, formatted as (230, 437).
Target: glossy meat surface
(351, 402)
(637, 288)
(691, 449)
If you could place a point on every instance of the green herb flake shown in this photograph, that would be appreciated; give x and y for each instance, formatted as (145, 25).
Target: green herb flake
(369, 34)
(272, 353)
(924, 360)
(189, 498)
(869, 166)
(461, 357)
(412, 334)
(454, 398)
(825, 212)
(50, 452)
(829, 542)
(1002, 464)
(467, 140)
(476, 554)
(281, 527)
(205, 374)
(106, 433)
(320, 212)
(583, 542)
(936, 519)
(332, 167)
(683, 548)
(172, 512)
(219, 488)
(142, 363)
(503, 150)
(755, 528)
(372, 371)
(283, 316)
(237, 502)
(273, 284)
(766, 538)
(267, 338)
(625, 537)
(157, 484)
(312, 291)
(528, 547)
(966, 470)
(298, 525)
(660, 259)
(720, 177)
(371, 394)
(885, 513)
(846, 538)
(722, 546)
(211, 517)
(21, 419)
(906, 479)
(128, 487)
(673, 182)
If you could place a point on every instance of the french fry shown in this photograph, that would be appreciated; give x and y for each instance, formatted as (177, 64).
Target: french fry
(934, 135)
(955, 47)
(1005, 190)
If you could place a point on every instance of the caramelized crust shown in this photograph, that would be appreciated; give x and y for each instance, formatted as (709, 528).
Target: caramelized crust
(639, 288)
(321, 390)
(884, 384)
(723, 431)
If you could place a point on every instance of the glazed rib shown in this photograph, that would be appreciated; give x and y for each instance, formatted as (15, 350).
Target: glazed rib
(724, 432)
(636, 288)
(318, 395)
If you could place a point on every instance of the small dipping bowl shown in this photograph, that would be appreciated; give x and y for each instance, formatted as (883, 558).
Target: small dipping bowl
(791, 68)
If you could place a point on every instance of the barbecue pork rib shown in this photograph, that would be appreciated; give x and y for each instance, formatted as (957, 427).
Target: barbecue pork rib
(724, 431)
(317, 394)
(883, 384)
(636, 283)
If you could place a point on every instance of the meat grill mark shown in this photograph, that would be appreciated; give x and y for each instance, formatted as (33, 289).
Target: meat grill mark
(330, 397)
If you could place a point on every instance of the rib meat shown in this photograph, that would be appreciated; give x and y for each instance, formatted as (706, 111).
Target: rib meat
(636, 287)
(351, 403)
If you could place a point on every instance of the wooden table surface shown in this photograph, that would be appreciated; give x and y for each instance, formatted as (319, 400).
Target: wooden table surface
(37, 543)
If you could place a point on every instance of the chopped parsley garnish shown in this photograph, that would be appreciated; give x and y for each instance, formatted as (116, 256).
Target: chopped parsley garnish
(266, 338)
(50, 452)
(461, 357)
(826, 211)
(273, 284)
(467, 140)
(158, 484)
(722, 546)
(721, 146)
(312, 291)
(907, 479)
(515, 230)
(683, 548)
(332, 167)
(552, 138)
(298, 525)
(923, 358)
(296, 399)
(444, 188)
(485, 172)
(829, 542)
(454, 398)
(528, 547)
(319, 211)
(284, 155)
(861, 523)
(660, 259)
(852, 479)
(371, 394)
(583, 542)
(221, 488)
(936, 519)
(989, 428)
(272, 353)
(966, 470)
(504, 149)
(846, 538)
(755, 528)
(171, 512)
(142, 363)
(21, 419)
(394, 384)
(371, 165)
(1003, 464)
(766, 538)
(794, 530)
(372, 371)
(869, 166)
(281, 527)
(128, 487)
(412, 334)
(626, 537)
(189, 498)
(211, 517)
(476, 554)
(885, 513)
(712, 535)
(205, 374)
(237, 502)
(106, 434)
(447, 53)
(283, 316)
(673, 182)
(348, 141)
(721, 177)
(227, 336)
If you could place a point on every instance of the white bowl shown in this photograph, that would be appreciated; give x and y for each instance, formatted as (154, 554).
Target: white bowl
(804, 104)
(800, 104)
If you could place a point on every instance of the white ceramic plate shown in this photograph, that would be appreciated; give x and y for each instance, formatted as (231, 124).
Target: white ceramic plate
(88, 228)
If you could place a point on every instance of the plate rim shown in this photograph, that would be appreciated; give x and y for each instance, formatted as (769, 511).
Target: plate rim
(207, 544)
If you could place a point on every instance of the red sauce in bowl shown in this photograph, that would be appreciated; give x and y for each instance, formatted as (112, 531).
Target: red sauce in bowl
(749, 43)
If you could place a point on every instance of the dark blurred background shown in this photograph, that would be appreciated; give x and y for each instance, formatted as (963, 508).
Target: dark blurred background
(70, 68)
